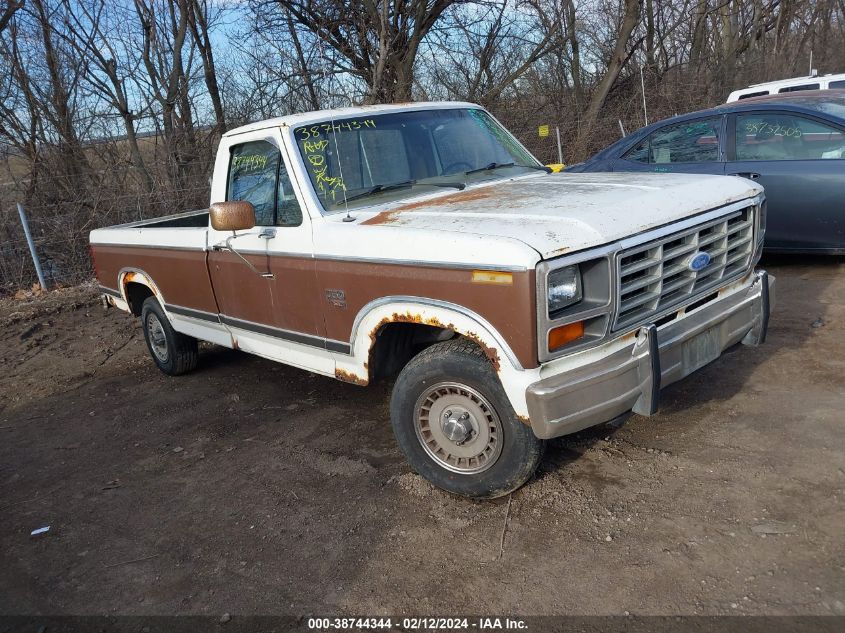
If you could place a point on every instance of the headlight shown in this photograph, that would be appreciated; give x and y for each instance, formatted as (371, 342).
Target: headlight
(564, 288)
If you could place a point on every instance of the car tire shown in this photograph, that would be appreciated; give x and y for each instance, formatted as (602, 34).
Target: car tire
(172, 352)
(455, 425)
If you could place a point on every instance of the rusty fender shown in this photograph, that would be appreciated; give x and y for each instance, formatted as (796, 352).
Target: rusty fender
(134, 275)
(379, 313)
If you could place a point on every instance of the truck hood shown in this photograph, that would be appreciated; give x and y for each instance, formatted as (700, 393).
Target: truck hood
(562, 213)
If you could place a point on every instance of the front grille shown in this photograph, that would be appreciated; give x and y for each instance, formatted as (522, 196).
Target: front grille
(655, 276)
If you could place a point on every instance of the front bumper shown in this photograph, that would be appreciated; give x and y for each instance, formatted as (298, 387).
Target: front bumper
(630, 378)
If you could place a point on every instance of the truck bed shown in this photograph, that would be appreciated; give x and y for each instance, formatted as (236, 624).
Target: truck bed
(170, 251)
(188, 219)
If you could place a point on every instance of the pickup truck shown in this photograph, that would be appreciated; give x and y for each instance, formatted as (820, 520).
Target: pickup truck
(422, 243)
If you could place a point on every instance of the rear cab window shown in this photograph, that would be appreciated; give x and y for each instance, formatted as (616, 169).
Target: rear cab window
(694, 141)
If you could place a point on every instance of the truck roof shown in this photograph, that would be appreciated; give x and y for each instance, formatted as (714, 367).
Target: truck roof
(797, 80)
(294, 120)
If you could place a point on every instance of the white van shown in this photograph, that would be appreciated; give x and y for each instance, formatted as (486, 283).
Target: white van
(813, 82)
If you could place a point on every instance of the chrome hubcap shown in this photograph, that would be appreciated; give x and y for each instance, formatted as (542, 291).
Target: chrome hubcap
(458, 428)
(157, 338)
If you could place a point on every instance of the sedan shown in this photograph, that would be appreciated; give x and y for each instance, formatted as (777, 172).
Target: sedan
(792, 144)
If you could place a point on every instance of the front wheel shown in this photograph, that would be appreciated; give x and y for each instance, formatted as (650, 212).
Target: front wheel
(172, 352)
(455, 425)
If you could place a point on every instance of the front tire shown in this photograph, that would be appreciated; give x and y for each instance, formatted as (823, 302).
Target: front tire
(172, 352)
(455, 425)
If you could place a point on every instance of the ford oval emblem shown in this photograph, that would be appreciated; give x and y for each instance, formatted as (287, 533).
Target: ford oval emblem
(698, 261)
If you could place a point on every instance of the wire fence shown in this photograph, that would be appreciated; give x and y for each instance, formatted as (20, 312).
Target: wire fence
(60, 229)
(60, 224)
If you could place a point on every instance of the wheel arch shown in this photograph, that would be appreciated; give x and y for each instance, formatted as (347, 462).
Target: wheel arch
(132, 282)
(439, 316)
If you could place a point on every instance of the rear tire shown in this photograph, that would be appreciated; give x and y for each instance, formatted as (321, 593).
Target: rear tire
(172, 352)
(456, 426)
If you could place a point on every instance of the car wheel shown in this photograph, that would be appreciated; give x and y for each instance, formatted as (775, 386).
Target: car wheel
(172, 352)
(455, 425)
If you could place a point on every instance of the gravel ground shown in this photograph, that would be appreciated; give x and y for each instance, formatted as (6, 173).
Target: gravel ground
(248, 487)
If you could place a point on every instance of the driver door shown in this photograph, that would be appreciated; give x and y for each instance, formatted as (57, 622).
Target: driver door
(270, 307)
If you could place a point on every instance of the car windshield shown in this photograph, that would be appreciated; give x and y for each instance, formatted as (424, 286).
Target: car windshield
(371, 159)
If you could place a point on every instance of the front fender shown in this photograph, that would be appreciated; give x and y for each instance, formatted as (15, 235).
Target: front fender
(459, 319)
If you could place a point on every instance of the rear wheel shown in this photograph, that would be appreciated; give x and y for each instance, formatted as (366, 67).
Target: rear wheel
(455, 425)
(172, 352)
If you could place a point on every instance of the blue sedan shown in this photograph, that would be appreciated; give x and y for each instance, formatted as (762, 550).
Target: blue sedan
(793, 145)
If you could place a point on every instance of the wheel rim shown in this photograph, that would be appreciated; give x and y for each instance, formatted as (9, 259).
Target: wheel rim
(156, 337)
(458, 428)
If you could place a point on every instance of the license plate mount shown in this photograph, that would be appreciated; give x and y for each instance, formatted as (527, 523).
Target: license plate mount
(701, 350)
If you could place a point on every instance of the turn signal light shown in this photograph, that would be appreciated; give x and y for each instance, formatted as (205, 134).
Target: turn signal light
(560, 336)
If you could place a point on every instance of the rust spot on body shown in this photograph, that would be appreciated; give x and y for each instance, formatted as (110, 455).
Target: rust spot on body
(347, 376)
(490, 352)
(524, 419)
(386, 217)
(559, 251)
(452, 198)
(410, 317)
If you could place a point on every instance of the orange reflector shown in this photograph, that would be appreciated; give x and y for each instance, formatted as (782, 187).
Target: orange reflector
(492, 277)
(562, 335)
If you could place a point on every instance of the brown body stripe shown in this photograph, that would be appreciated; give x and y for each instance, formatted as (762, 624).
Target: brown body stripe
(295, 299)
(181, 275)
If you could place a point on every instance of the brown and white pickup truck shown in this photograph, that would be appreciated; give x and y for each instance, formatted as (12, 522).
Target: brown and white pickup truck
(423, 243)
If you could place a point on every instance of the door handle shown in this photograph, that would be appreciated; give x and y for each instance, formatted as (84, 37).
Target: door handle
(267, 233)
(751, 175)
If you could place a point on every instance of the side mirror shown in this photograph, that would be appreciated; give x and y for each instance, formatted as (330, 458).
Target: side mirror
(232, 215)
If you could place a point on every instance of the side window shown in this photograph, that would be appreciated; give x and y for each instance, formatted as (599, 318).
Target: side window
(751, 95)
(689, 142)
(640, 153)
(258, 175)
(833, 85)
(786, 137)
(799, 88)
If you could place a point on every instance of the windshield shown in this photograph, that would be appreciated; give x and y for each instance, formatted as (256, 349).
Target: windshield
(374, 159)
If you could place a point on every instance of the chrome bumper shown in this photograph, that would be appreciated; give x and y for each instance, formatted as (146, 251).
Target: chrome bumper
(630, 378)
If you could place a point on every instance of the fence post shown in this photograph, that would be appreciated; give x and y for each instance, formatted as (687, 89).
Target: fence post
(559, 149)
(32, 250)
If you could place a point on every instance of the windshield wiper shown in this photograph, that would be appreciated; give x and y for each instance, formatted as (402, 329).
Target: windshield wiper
(402, 185)
(491, 166)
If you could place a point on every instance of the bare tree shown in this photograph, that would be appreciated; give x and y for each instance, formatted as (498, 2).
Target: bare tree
(629, 21)
(89, 30)
(199, 19)
(480, 52)
(377, 40)
(166, 55)
(9, 10)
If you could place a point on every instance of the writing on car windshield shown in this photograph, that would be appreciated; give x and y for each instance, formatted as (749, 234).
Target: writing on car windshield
(370, 160)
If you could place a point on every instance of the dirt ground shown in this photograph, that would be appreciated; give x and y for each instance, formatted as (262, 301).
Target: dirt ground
(248, 487)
